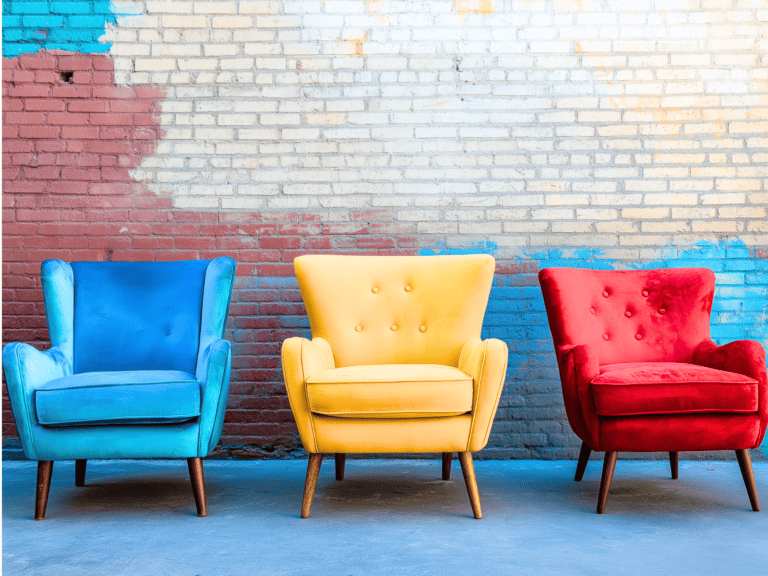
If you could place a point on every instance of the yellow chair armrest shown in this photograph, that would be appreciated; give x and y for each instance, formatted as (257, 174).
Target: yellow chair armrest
(486, 362)
(301, 358)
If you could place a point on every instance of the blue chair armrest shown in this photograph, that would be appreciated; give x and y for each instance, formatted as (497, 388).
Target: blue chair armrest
(26, 369)
(213, 374)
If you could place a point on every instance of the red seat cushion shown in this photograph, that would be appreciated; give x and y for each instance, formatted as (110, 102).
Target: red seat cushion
(640, 388)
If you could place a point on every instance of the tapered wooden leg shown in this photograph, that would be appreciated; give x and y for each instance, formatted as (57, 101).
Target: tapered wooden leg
(468, 469)
(745, 463)
(674, 459)
(80, 473)
(44, 471)
(447, 461)
(609, 464)
(313, 471)
(198, 484)
(583, 459)
(340, 461)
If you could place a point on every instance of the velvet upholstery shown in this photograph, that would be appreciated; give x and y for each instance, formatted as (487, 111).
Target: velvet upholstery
(120, 297)
(137, 315)
(638, 388)
(638, 369)
(127, 397)
(396, 363)
(391, 391)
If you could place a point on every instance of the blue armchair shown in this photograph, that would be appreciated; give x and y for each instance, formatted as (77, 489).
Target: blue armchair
(137, 369)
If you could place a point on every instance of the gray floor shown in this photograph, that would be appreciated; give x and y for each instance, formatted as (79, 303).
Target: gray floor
(386, 517)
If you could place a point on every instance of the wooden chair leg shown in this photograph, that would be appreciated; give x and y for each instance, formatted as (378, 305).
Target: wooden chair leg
(583, 459)
(674, 459)
(745, 463)
(80, 473)
(609, 464)
(340, 461)
(468, 469)
(198, 484)
(447, 461)
(313, 471)
(44, 472)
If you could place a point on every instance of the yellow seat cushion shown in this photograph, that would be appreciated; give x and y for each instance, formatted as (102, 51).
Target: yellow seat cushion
(391, 391)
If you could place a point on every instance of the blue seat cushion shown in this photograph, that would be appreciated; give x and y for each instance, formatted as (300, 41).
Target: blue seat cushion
(131, 397)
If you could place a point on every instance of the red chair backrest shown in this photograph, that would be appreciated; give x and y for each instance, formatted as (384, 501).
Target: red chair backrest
(630, 315)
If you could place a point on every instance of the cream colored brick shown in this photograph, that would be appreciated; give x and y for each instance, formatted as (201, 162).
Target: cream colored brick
(155, 64)
(690, 59)
(670, 199)
(230, 22)
(174, 7)
(270, 7)
(737, 184)
(184, 21)
(665, 227)
(736, 213)
(719, 226)
(734, 198)
(215, 7)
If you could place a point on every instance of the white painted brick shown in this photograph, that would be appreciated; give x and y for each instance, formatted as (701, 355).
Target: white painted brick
(614, 124)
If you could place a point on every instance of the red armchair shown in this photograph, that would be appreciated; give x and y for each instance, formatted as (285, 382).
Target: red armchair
(640, 373)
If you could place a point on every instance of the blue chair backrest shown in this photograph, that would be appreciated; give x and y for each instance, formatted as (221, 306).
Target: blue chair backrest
(137, 315)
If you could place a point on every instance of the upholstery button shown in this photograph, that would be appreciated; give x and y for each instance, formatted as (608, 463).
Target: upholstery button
(628, 314)
(645, 292)
(662, 311)
(422, 328)
(605, 337)
(407, 288)
(638, 336)
(605, 293)
(592, 310)
(375, 289)
(358, 328)
(393, 327)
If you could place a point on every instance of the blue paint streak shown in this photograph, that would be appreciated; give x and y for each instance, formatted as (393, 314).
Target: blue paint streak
(516, 311)
(76, 26)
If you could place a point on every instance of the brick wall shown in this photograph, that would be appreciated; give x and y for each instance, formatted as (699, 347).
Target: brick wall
(601, 133)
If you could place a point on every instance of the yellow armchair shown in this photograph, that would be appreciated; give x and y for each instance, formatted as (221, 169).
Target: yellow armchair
(396, 363)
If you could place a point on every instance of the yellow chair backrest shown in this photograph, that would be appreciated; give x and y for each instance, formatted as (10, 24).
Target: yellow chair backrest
(395, 309)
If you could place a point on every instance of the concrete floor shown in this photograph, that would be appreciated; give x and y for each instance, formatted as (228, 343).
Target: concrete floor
(387, 517)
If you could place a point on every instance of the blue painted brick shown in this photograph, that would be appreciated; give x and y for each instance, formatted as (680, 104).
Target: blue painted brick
(11, 21)
(86, 22)
(72, 7)
(738, 252)
(27, 7)
(740, 264)
(43, 21)
(12, 34)
(11, 50)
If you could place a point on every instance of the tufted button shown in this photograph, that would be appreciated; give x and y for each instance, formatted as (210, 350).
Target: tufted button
(393, 327)
(407, 288)
(662, 311)
(591, 310)
(605, 337)
(628, 314)
(645, 292)
(375, 289)
(638, 336)
(358, 328)
(422, 328)
(605, 293)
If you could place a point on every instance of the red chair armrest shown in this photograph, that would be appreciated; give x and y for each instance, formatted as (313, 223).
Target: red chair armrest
(745, 357)
(578, 367)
